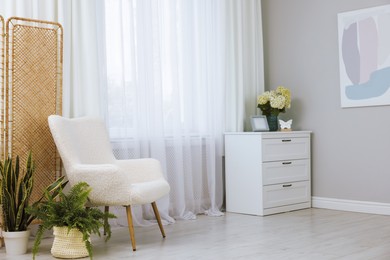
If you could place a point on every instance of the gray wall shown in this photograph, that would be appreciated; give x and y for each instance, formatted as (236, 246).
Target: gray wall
(350, 146)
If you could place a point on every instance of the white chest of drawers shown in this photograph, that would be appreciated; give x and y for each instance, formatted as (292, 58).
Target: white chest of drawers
(267, 172)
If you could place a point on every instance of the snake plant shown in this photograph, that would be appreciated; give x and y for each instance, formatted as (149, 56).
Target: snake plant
(16, 190)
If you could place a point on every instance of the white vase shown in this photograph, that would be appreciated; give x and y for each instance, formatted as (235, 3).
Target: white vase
(68, 244)
(16, 242)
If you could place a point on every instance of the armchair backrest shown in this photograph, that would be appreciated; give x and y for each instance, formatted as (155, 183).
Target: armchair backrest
(81, 140)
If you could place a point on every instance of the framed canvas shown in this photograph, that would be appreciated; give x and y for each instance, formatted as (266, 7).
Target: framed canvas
(364, 57)
(259, 123)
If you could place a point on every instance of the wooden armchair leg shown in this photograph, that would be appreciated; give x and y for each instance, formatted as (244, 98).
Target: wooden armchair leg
(157, 214)
(106, 210)
(131, 228)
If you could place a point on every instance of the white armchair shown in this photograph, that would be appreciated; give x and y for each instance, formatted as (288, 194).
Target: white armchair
(86, 153)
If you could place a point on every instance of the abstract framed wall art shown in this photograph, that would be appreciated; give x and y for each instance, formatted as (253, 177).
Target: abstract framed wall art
(364, 57)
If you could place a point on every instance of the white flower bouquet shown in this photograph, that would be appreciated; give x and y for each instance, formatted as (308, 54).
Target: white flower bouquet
(275, 101)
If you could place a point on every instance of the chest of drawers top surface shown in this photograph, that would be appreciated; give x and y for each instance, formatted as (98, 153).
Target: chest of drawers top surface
(277, 134)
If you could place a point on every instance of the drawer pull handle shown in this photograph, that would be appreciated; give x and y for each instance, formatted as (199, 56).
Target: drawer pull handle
(286, 163)
(287, 185)
(286, 140)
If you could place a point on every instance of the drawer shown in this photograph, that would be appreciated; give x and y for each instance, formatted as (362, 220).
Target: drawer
(285, 149)
(286, 194)
(286, 171)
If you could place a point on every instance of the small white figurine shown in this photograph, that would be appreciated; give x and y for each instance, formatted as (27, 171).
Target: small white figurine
(285, 126)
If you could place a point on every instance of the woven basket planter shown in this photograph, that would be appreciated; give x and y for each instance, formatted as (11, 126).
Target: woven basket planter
(68, 244)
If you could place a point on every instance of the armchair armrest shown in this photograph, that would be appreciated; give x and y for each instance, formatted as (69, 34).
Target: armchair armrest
(102, 178)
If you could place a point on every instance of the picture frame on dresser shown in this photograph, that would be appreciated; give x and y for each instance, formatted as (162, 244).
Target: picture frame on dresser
(259, 124)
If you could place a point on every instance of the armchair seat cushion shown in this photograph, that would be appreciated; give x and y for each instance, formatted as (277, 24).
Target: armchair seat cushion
(147, 192)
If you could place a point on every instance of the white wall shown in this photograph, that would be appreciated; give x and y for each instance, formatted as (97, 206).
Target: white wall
(350, 146)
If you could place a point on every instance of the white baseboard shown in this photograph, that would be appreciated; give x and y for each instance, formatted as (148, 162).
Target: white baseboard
(351, 205)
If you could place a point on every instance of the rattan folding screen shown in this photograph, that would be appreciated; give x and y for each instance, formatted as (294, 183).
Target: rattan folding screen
(2, 83)
(33, 91)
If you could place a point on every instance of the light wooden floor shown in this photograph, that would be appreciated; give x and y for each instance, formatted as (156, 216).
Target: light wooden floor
(304, 234)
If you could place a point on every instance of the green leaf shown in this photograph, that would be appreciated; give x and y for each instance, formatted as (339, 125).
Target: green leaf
(69, 210)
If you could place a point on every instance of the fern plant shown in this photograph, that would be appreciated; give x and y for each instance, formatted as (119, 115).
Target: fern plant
(70, 211)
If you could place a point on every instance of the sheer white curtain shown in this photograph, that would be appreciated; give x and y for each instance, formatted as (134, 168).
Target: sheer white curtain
(168, 76)
(165, 67)
(244, 62)
(81, 82)
(179, 74)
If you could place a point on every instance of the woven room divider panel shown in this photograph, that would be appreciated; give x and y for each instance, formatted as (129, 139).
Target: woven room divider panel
(2, 88)
(33, 92)
(2, 85)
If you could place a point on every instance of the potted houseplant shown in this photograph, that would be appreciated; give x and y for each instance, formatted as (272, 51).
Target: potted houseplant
(72, 222)
(16, 190)
(273, 102)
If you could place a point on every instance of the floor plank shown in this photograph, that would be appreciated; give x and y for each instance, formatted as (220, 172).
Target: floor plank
(304, 234)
